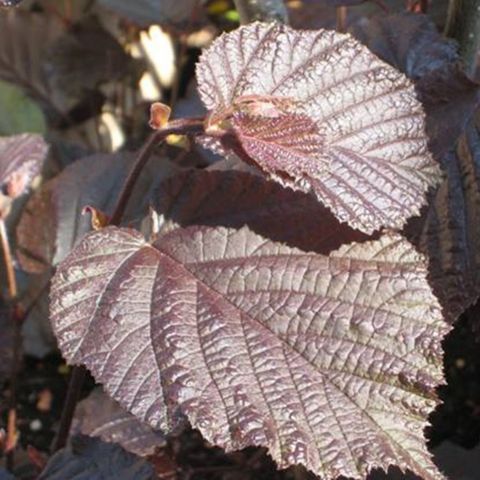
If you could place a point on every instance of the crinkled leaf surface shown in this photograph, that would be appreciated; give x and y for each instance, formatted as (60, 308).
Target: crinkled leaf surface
(447, 231)
(411, 43)
(91, 459)
(375, 147)
(101, 416)
(52, 221)
(329, 361)
(21, 159)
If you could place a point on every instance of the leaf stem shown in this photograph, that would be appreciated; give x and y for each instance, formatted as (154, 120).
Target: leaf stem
(183, 126)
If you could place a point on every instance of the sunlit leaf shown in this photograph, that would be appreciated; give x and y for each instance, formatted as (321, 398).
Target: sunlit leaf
(367, 155)
(411, 43)
(330, 361)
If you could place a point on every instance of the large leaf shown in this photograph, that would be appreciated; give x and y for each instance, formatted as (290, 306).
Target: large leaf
(91, 459)
(100, 416)
(366, 157)
(329, 361)
(21, 159)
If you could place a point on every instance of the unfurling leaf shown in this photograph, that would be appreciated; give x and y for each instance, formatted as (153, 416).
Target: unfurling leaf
(363, 150)
(98, 219)
(21, 159)
(329, 361)
(159, 115)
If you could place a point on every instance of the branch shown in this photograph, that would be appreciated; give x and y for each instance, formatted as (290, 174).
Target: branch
(262, 10)
(182, 126)
(464, 25)
(17, 319)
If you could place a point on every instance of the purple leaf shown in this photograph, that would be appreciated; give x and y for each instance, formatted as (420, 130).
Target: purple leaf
(21, 159)
(100, 416)
(52, 221)
(369, 148)
(448, 230)
(329, 361)
(233, 199)
(411, 43)
(91, 459)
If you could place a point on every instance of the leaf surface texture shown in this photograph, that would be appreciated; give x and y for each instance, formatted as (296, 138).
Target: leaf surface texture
(329, 361)
(372, 166)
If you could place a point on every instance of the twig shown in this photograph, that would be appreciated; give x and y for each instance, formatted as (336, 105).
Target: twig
(75, 385)
(8, 261)
(342, 19)
(17, 319)
(263, 10)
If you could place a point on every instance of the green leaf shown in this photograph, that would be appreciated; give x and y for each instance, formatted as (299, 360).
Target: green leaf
(20, 114)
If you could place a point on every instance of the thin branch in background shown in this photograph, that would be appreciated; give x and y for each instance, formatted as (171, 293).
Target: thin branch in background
(262, 10)
(342, 19)
(17, 319)
(75, 386)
